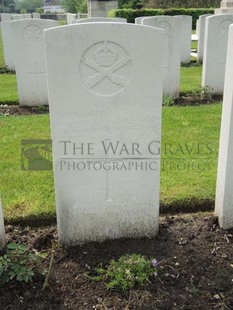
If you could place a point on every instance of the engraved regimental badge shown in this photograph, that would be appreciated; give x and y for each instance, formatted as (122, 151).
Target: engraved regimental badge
(33, 34)
(105, 68)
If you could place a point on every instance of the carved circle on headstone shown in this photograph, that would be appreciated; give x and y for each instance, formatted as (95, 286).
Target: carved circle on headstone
(224, 28)
(33, 34)
(164, 25)
(105, 68)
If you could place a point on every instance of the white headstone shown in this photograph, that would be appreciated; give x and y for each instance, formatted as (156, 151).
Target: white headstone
(71, 18)
(5, 17)
(224, 189)
(17, 16)
(27, 16)
(30, 60)
(185, 33)
(102, 92)
(35, 15)
(171, 74)
(197, 27)
(101, 19)
(2, 229)
(201, 37)
(7, 43)
(215, 49)
(138, 20)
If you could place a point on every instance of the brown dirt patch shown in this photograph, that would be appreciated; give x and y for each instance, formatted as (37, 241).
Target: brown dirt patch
(195, 270)
(20, 110)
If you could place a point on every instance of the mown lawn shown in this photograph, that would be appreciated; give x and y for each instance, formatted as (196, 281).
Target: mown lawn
(31, 193)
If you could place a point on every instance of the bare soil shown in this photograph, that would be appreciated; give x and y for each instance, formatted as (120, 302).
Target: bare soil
(195, 270)
(22, 110)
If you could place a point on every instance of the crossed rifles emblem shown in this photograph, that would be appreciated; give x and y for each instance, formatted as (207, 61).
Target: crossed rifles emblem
(106, 71)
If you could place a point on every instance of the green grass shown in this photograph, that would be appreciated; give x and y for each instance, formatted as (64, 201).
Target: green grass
(8, 87)
(2, 62)
(190, 78)
(31, 193)
(24, 193)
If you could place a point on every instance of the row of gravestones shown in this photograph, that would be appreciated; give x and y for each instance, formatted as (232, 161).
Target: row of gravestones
(7, 16)
(105, 100)
(24, 52)
(212, 32)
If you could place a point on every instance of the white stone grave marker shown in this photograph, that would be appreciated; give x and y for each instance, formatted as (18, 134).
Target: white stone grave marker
(215, 49)
(5, 17)
(171, 25)
(224, 188)
(30, 60)
(35, 15)
(185, 33)
(7, 43)
(201, 37)
(102, 92)
(101, 19)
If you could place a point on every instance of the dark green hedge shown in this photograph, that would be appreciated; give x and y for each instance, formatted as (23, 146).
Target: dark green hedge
(131, 14)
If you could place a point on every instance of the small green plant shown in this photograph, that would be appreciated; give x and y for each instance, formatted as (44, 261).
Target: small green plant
(23, 11)
(127, 272)
(20, 263)
(201, 93)
(6, 70)
(168, 101)
(39, 10)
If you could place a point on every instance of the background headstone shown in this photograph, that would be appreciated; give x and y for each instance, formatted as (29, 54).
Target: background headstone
(138, 20)
(224, 189)
(30, 60)
(102, 90)
(72, 18)
(185, 33)
(101, 19)
(5, 17)
(7, 43)
(35, 15)
(215, 49)
(2, 229)
(171, 74)
(201, 37)
(17, 16)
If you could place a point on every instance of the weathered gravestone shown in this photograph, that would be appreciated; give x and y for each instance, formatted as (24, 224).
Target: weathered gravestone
(171, 75)
(30, 60)
(201, 37)
(105, 104)
(2, 229)
(101, 19)
(215, 49)
(185, 33)
(224, 189)
(7, 43)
